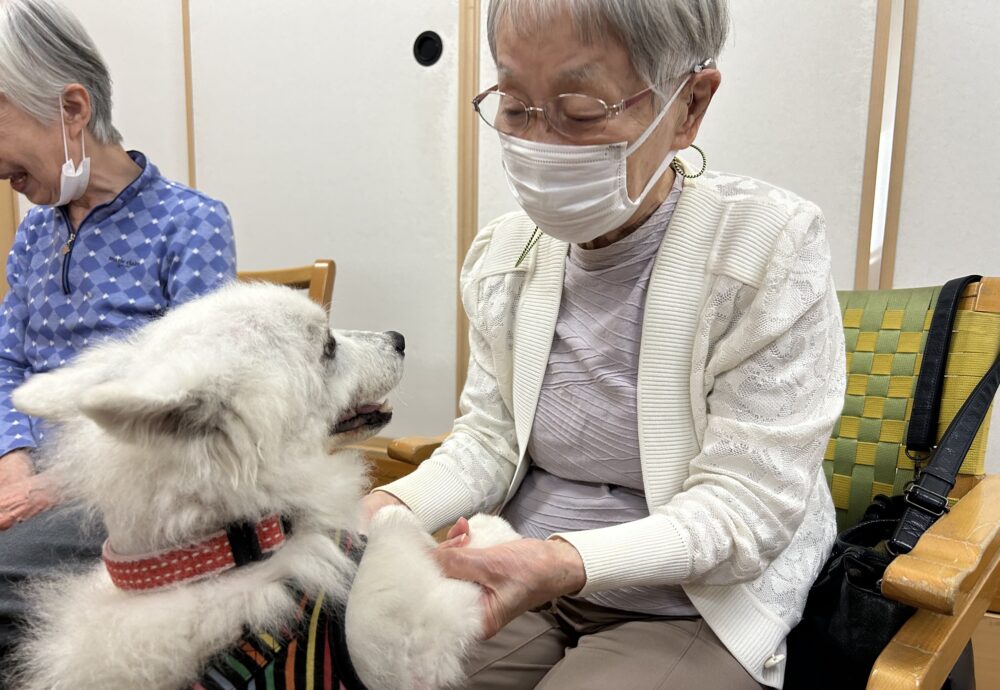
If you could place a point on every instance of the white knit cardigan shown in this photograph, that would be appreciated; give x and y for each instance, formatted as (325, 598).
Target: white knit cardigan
(741, 378)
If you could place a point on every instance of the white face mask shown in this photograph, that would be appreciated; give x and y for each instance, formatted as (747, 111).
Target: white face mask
(577, 193)
(73, 180)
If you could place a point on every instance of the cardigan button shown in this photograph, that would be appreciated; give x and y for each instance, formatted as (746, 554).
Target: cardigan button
(774, 661)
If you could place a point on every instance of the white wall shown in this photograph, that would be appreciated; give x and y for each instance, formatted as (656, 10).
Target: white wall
(793, 107)
(141, 41)
(792, 110)
(948, 220)
(317, 127)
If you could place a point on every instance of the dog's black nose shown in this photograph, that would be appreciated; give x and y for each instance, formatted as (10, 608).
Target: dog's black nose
(398, 341)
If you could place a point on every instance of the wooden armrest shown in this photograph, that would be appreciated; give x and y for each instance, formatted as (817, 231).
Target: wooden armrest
(386, 470)
(414, 449)
(982, 296)
(953, 556)
(950, 576)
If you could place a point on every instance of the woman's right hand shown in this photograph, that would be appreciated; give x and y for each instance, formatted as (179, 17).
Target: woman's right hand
(515, 576)
(374, 502)
(26, 499)
(15, 466)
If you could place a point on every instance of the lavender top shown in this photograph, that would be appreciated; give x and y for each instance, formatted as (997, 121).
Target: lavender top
(584, 444)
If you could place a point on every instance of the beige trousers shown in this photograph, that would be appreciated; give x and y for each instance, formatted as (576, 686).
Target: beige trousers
(576, 645)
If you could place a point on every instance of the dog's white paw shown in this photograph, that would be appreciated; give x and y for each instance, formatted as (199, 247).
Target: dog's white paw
(489, 530)
(408, 626)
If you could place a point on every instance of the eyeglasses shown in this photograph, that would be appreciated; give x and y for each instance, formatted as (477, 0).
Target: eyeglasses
(574, 115)
(571, 114)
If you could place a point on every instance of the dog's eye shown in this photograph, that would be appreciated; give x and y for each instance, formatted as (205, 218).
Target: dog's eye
(330, 348)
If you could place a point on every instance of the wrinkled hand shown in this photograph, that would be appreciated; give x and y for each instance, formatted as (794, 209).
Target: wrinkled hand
(515, 576)
(15, 466)
(25, 499)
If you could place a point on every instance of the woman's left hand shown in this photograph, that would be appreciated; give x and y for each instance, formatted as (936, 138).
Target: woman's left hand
(515, 576)
(25, 499)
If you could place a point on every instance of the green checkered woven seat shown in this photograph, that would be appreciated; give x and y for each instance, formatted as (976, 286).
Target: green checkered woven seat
(885, 331)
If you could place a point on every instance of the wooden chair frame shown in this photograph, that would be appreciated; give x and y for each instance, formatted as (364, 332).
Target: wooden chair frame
(951, 577)
(318, 279)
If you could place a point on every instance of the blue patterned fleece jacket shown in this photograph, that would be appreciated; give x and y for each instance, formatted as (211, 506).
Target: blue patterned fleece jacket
(157, 244)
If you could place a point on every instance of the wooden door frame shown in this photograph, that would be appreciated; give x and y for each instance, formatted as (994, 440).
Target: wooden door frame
(189, 93)
(8, 227)
(899, 141)
(468, 169)
(868, 243)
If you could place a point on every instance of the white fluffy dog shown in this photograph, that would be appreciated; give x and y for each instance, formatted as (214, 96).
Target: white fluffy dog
(221, 413)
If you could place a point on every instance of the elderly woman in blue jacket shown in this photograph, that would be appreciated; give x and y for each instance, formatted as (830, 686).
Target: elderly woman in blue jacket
(109, 245)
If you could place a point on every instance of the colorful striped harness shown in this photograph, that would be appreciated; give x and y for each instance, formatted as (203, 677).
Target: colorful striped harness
(312, 655)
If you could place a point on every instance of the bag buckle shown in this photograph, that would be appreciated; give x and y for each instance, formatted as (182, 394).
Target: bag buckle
(918, 457)
(925, 500)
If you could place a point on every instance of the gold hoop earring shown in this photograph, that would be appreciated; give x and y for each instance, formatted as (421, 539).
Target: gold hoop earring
(679, 169)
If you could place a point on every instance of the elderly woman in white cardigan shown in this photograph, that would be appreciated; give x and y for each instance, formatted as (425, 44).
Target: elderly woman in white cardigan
(656, 366)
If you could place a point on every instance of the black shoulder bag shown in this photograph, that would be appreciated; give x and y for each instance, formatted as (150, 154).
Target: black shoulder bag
(847, 622)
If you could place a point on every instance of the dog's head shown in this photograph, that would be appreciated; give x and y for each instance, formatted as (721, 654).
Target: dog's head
(217, 400)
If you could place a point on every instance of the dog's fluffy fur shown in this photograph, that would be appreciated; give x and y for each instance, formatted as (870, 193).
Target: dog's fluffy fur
(227, 409)
(398, 591)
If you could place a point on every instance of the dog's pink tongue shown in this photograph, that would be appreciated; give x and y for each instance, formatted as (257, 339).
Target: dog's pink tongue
(367, 409)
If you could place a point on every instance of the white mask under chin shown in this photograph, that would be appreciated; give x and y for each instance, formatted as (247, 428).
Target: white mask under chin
(577, 193)
(73, 180)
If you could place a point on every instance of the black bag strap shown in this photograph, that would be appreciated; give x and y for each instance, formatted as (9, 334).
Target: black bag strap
(922, 431)
(927, 496)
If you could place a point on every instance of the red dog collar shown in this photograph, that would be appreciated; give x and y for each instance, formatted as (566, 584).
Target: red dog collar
(237, 545)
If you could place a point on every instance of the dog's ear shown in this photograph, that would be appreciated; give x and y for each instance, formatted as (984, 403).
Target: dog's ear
(195, 417)
(137, 414)
(55, 395)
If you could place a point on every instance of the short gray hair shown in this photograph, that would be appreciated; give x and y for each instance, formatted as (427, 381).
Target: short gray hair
(44, 48)
(665, 39)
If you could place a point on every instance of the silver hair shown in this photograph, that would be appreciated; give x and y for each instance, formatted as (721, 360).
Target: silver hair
(43, 49)
(665, 39)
